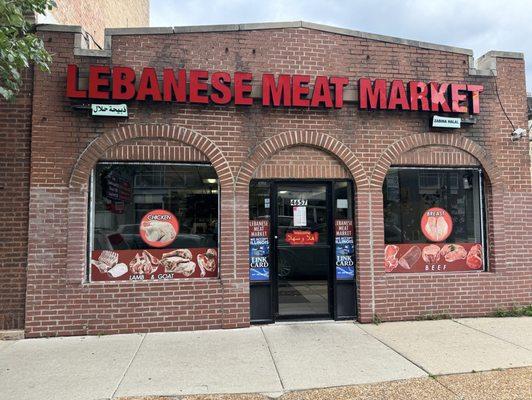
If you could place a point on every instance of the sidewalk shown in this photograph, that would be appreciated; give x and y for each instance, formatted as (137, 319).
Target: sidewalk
(271, 359)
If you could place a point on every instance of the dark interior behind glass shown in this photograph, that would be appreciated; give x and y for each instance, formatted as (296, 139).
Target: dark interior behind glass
(408, 192)
(125, 192)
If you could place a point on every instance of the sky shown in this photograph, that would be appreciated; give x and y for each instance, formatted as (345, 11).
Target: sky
(480, 25)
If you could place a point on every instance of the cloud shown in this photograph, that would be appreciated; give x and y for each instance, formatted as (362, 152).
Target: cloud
(478, 25)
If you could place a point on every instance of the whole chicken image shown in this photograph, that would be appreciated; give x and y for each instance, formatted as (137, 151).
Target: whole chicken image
(179, 261)
(158, 231)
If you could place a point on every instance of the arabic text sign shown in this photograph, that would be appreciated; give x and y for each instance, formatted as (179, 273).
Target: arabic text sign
(109, 110)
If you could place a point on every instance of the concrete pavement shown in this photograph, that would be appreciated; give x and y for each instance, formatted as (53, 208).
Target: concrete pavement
(450, 347)
(268, 359)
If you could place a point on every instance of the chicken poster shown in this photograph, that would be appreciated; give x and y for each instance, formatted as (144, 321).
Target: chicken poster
(158, 228)
(436, 225)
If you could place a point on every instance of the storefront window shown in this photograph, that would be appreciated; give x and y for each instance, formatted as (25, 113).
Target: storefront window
(153, 221)
(433, 220)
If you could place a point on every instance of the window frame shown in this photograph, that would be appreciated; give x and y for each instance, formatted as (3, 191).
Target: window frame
(92, 209)
(482, 201)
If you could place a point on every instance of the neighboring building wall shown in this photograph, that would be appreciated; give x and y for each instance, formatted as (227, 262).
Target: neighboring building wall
(15, 134)
(96, 15)
(241, 140)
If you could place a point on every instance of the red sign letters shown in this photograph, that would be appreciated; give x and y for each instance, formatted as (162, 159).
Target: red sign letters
(201, 87)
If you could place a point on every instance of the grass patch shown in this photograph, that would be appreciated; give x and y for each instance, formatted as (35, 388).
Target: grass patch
(376, 319)
(525, 311)
(433, 317)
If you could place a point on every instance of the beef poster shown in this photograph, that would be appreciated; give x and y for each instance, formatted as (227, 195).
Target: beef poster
(345, 249)
(153, 264)
(436, 224)
(259, 250)
(433, 257)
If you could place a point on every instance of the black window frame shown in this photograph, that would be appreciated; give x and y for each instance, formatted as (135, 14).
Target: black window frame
(482, 203)
(91, 204)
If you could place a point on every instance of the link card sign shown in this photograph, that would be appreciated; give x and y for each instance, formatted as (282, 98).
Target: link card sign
(345, 249)
(259, 249)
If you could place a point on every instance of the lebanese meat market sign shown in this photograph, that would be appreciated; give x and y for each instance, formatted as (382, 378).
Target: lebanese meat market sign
(201, 87)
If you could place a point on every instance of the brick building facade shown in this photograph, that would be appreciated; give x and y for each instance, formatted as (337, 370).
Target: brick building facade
(96, 15)
(251, 144)
(15, 138)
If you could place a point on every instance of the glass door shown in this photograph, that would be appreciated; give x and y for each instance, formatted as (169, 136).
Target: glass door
(302, 236)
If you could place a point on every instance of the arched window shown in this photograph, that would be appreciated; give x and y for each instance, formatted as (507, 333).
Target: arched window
(153, 221)
(434, 220)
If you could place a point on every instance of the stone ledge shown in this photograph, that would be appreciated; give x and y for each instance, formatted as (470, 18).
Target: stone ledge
(482, 72)
(384, 38)
(488, 62)
(486, 65)
(14, 334)
(503, 54)
(58, 28)
(92, 53)
(205, 28)
(269, 25)
(139, 31)
(280, 25)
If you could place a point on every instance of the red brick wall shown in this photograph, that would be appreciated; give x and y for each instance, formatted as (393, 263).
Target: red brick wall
(243, 141)
(436, 155)
(301, 162)
(15, 131)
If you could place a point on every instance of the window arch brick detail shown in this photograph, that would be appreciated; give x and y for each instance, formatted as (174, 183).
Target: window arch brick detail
(316, 139)
(79, 176)
(392, 154)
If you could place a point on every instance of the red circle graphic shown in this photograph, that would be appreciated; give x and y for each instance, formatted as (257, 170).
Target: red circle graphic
(436, 224)
(159, 228)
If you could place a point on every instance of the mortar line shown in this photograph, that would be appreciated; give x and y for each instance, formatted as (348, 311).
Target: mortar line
(128, 366)
(430, 375)
(273, 359)
(489, 334)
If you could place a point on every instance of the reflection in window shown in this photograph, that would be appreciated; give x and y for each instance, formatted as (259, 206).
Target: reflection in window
(153, 221)
(125, 192)
(408, 192)
(433, 220)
